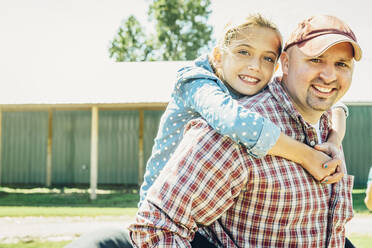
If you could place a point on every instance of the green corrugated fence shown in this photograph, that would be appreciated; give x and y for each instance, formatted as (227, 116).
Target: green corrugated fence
(358, 143)
(24, 146)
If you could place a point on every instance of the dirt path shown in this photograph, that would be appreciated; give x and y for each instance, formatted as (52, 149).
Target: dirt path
(361, 223)
(13, 230)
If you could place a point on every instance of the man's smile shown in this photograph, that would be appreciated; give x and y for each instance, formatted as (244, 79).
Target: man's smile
(323, 91)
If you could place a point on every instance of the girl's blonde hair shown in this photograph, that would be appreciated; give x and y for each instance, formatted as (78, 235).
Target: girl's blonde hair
(236, 27)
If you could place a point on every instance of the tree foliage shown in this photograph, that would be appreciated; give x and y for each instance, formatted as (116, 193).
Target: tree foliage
(181, 32)
(131, 43)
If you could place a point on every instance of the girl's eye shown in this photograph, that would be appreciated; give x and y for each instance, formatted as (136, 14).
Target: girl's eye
(315, 60)
(244, 52)
(269, 59)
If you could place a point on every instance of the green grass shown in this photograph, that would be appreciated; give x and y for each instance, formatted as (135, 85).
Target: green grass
(76, 202)
(66, 202)
(64, 211)
(358, 201)
(361, 241)
(67, 197)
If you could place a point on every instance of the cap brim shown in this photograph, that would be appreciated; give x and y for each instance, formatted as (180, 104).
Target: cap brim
(318, 45)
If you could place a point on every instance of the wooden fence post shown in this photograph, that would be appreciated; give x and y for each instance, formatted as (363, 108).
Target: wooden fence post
(141, 166)
(94, 154)
(48, 182)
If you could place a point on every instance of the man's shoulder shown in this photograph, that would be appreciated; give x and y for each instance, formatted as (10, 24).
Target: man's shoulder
(199, 131)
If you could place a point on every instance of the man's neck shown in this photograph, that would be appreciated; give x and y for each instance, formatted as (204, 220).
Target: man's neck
(309, 115)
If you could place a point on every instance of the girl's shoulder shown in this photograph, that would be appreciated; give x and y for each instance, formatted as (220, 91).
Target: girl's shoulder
(189, 73)
(199, 69)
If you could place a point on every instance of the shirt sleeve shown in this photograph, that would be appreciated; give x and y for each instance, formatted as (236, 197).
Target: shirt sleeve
(196, 187)
(228, 117)
(343, 106)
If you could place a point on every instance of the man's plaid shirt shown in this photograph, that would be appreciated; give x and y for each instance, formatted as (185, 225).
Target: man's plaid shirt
(213, 186)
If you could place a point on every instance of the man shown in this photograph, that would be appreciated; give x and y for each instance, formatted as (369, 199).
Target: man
(212, 185)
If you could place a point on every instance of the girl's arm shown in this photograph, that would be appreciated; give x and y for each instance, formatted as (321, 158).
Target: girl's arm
(214, 103)
(338, 126)
(317, 163)
(332, 170)
(334, 141)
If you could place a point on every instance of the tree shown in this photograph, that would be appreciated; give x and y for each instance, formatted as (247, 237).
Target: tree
(130, 44)
(182, 33)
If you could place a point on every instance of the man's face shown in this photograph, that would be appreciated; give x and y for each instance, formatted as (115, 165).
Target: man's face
(316, 83)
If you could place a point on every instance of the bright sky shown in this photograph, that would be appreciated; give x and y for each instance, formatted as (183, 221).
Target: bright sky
(58, 41)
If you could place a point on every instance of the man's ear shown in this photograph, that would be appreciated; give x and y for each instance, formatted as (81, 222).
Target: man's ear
(284, 60)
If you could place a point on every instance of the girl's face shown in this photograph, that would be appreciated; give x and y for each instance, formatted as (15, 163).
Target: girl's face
(249, 61)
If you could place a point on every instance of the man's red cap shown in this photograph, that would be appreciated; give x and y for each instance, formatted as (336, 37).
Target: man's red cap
(315, 35)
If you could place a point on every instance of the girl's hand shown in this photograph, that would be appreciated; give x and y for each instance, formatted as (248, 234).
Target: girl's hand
(337, 160)
(319, 164)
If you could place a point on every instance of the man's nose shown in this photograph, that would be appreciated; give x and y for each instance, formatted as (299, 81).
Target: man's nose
(328, 73)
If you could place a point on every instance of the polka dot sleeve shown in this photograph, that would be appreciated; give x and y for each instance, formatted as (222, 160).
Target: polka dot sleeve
(213, 102)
